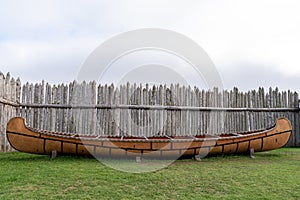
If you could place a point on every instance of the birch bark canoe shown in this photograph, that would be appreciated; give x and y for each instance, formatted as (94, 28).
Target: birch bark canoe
(27, 139)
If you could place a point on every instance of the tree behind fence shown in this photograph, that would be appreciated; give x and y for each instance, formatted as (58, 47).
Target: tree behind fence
(138, 110)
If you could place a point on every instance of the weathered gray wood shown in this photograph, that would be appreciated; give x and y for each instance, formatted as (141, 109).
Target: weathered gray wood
(9, 106)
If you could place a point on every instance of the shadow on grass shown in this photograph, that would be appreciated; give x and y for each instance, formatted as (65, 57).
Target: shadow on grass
(23, 157)
(269, 155)
(19, 156)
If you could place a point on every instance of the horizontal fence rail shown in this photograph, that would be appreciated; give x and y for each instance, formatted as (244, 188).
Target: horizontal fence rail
(150, 107)
(136, 110)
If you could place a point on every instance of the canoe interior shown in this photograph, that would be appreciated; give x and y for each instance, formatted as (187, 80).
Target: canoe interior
(27, 139)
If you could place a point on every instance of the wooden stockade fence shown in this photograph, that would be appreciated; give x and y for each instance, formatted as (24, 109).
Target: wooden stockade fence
(137, 110)
(10, 90)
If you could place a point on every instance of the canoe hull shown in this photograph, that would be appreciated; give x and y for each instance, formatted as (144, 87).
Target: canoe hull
(25, 139)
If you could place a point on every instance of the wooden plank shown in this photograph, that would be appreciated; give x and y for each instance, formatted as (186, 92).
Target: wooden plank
(2, 120)
(2, 117)
(296, 122)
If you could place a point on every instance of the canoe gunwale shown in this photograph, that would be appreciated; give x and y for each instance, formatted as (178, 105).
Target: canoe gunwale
(203, 138)
(155, 140)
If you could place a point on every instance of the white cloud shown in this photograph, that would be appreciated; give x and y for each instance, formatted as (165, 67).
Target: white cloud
(42, 38)
(55, 61)
(264, 32)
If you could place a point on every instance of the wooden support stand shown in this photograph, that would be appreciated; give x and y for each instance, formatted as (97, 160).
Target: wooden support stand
(252, 153)
(197, 158)
(53, 154)
(138, 159)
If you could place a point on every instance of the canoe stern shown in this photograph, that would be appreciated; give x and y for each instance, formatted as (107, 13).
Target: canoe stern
(22, 139)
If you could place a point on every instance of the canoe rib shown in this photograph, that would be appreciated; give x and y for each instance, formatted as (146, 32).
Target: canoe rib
(27, 139)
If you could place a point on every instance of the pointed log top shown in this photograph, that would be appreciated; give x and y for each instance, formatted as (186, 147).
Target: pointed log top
(93, 83)
(74, 82)
(2, 75)
(7, 78)
(12, 81)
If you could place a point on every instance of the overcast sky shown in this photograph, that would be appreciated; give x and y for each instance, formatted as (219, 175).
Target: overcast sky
(252, 43)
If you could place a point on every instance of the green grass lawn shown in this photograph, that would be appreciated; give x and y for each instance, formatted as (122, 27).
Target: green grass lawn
(271, 175)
